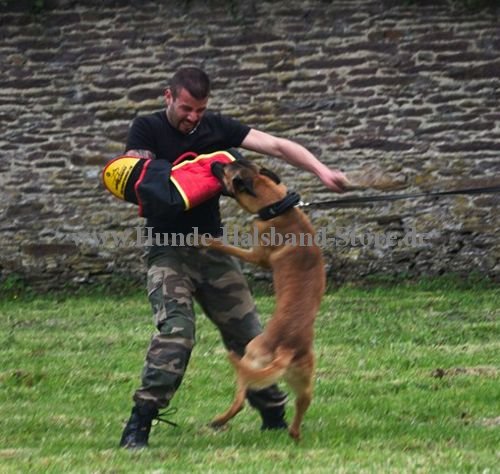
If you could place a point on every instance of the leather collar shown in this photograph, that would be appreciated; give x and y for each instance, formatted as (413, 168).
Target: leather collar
(280, 207)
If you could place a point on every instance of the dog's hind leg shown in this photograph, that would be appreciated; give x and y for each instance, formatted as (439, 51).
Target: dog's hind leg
(234, 409)
(300, 378)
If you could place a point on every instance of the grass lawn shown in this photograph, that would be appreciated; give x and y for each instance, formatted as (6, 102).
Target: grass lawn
(408, 380)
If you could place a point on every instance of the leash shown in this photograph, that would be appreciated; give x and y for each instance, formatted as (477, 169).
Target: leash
(363, 200)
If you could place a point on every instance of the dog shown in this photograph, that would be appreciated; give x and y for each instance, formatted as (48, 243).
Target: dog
(285, 348)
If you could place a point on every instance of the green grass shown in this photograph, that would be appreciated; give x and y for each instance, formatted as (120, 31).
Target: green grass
(407, 381)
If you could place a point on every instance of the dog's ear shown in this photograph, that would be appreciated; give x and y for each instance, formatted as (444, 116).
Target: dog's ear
(244, 185)
(270, 174)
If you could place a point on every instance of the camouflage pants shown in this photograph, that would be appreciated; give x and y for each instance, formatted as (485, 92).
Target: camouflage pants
(177, 275)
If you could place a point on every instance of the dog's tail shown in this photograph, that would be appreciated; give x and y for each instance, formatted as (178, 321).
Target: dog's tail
(266, 376)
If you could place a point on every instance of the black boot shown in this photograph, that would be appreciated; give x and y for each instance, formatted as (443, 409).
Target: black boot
(136, 432)
(270, 403)
(273, 418)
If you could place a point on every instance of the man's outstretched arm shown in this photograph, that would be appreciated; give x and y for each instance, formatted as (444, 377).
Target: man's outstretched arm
(296, 155)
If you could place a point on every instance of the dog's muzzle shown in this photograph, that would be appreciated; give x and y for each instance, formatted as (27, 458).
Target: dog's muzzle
(218, 171)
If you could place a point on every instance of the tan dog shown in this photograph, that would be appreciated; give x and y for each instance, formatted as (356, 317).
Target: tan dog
(284, 349)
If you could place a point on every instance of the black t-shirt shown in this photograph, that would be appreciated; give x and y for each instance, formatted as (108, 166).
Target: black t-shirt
(215, 132)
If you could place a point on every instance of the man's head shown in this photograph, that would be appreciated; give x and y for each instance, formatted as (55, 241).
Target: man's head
(187, 98)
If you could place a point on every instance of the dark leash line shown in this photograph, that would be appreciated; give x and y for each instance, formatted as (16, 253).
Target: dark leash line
(363, 200)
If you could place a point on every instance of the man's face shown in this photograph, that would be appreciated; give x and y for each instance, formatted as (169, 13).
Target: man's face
(184, 112)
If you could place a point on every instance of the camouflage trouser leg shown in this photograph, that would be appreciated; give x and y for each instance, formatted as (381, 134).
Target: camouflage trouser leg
(175, 276)
(170, 291)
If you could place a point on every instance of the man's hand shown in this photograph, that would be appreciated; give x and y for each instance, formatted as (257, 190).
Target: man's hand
(334, 180)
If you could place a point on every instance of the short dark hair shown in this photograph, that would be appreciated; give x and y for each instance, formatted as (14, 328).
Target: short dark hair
(193, 79)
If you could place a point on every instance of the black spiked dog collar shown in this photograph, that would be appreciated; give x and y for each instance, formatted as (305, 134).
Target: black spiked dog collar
(277, 208)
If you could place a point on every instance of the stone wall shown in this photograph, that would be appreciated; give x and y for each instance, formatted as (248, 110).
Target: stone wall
(414, 89)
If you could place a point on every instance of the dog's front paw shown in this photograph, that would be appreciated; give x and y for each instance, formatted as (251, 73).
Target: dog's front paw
(207, 242)
(210, 242)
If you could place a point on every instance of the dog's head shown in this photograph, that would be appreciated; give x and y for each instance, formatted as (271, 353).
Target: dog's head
(252, 186)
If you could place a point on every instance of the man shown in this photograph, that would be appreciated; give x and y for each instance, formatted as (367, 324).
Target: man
(176, 275)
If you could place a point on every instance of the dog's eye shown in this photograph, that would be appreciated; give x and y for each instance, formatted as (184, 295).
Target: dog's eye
(244, 185)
